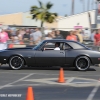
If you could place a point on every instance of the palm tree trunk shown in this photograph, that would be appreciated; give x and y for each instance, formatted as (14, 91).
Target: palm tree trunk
(41, 24)
(42, 29)
(89, 16)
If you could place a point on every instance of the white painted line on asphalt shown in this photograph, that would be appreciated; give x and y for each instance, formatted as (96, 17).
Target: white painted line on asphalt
(12, 73)
(27, 85)
(67, 74)
(81, 82)
(93, 92)
(1, 87)
(23, 85)
(15, 72)
(70, 80)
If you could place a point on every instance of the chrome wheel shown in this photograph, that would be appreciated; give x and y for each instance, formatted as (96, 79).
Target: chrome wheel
(82, 63)
(16, 62)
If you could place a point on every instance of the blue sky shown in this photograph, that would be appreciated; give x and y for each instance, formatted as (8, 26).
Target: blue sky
(62, 7)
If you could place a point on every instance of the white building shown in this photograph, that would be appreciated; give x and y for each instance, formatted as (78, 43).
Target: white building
(82, 19)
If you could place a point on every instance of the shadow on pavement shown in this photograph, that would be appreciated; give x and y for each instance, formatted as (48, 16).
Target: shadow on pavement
(46, 68)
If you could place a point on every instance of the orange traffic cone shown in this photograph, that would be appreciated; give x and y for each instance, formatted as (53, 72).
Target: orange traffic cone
(61, 76)
(30, 95)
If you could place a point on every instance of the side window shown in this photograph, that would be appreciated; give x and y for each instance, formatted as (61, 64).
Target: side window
(76, 45)
(49, 46)
(53, 46)
(66, 46)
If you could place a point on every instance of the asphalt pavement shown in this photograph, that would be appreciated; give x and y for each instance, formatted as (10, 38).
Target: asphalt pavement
(79, 85)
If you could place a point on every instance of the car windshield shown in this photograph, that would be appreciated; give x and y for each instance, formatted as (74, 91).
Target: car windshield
(36, 47)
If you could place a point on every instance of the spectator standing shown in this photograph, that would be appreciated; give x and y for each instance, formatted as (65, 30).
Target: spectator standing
(3, 39)
(26, 36)
(58, 35)
(75, 33)
(36, 36)
(92, 35)
(53, 34)
(87, 34)
(79, 36)
(48, 36)
(97, 38)
(71, 36)
(15, 38)
(21, 33)
(9, 31)
(46, 31)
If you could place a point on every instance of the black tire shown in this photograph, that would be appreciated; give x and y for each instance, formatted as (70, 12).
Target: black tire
(82, 63)
(16, 62)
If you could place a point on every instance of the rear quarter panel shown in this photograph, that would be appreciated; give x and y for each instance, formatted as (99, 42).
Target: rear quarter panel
(72, 54)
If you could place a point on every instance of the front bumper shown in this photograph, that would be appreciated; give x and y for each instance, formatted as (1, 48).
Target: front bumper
(3, 60)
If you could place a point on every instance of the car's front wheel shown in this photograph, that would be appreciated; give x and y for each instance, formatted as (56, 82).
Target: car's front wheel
(16, 62)
(82, 63)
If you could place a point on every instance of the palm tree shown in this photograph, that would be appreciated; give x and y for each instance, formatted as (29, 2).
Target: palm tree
(43, 13)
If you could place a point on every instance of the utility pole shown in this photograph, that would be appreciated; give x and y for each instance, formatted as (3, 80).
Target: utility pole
(88, 5)
(72, 12)
(89, 15)
(83, 5)
(92, 4)
(98, 13)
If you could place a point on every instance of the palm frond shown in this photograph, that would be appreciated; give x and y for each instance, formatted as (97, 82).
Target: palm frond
(42, 13)
(34, 16)
(55, 14)
(33, 8)
(40, 3)
(49, 5)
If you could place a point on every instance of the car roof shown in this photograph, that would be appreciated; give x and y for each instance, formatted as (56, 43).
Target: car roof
(58, 40)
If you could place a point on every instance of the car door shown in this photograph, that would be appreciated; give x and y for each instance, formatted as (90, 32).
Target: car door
(69, 56)
(50, 57)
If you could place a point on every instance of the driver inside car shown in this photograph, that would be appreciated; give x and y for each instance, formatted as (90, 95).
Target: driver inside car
(57, 44)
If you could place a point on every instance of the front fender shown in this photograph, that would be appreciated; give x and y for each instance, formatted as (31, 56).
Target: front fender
(17, 55)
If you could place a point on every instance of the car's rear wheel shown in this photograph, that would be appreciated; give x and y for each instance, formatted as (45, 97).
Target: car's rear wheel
(82, 63)
(16, 62)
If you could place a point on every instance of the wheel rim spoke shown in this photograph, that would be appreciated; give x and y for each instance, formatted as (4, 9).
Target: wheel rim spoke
(82, 64)
(16, 62)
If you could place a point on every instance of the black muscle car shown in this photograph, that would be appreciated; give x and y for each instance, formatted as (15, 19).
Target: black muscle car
(71, 53)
